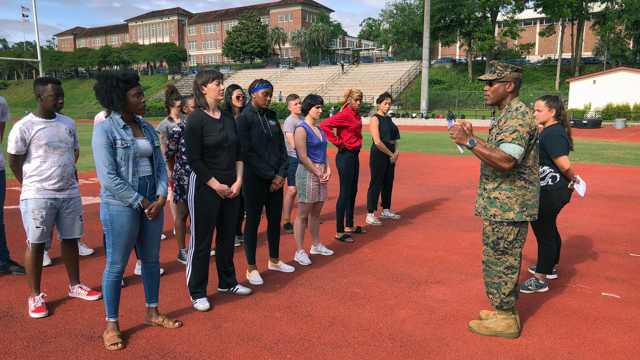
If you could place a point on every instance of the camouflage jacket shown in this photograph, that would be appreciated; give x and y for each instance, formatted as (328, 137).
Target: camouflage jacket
(514, 195)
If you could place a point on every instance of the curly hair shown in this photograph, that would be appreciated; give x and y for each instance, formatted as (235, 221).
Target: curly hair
(171, 95)
(111, 88)
(227, 104)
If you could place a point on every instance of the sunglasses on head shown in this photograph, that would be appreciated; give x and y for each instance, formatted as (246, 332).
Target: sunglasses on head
(240, 97)
(490, 83)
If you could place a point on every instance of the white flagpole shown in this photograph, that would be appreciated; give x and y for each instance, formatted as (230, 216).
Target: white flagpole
(35, 20)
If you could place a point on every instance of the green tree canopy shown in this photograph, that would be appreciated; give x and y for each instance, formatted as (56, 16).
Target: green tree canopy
(246, 41)
(300, 40)
(320, 35)
(276, 38)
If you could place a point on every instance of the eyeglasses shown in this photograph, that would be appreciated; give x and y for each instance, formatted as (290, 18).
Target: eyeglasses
(490, 83)
(240, 97)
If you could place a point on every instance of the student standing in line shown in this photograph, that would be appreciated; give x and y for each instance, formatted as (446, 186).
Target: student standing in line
(312, 178)
(234, 102)
(7, 266)
(133, 175)
(382, 161)
(348, 140)
(556, 186)
(290, 124)
(173, 108)
(265, 167)
(43, 150)
(179, 172)
(213, 153)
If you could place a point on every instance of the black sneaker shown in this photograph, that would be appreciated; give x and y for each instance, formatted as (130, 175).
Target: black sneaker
(182, 256)
(12, 267)
(533, 285)
(554, 274)
(288, 228)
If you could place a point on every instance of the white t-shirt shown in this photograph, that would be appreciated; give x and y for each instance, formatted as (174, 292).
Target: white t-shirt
(49, 168)
(4, 117)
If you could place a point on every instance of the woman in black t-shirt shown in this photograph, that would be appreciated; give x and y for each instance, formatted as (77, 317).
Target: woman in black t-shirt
(556, 186)
(213, 153)
(382, 161)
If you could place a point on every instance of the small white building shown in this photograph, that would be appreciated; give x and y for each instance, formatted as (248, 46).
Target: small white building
(619, 85)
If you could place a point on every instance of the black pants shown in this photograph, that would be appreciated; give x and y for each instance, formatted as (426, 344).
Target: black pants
(546, 230)
(348, 165)
(240, 214)
(209, 211)
(382, 175)
(256, 197)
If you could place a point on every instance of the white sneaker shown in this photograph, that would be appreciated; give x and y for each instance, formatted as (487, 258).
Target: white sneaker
(122, 283)
(213, 252)
(372, 220)
(201, 304)
(302, 258)
(84, 292)
(46, 260)
(254, 278)
(321, 250)
(389, 214)
(237, 242)
(174, 231)
(138, 269)
(84, 250)
(280, 266)
(238, 290)
(163, 236)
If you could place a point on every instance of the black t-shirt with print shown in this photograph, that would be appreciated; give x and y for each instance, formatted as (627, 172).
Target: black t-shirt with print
(553, 142)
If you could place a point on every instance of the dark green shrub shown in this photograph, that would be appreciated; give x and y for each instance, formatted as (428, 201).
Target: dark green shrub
(4, 85)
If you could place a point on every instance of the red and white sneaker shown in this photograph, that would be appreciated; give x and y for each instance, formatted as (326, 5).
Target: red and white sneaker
(37, 308)
(83, 292)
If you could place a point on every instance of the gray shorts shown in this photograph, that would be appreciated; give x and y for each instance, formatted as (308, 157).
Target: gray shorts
(39, 216)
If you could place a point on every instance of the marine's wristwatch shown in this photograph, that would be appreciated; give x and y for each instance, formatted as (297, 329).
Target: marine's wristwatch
(471, 143)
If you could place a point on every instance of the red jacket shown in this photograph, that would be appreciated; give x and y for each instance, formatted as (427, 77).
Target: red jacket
(348, 124)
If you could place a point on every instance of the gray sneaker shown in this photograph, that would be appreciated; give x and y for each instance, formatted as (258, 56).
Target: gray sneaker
(554, 274)
(533, 285)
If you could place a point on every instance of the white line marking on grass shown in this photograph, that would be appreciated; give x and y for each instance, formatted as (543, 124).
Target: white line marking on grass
(614, 295)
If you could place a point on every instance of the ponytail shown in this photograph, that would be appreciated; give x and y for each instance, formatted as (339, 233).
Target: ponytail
(555, 103)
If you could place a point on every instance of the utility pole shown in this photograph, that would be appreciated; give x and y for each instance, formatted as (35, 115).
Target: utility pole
(426, 58)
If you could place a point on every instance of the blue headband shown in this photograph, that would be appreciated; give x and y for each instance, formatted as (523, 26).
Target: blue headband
(260, 87)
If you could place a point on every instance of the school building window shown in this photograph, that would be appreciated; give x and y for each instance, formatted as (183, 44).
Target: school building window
(126, 38)
(146, 31)
(193, 60)
(159, 30)
(191, 30)
(153, 31)
(192, 45)
(173, 29)
(133, 33)
(218, 27)
(166, 29)
(280, 18)
(290, 17)
(211, 44)
(202, 48)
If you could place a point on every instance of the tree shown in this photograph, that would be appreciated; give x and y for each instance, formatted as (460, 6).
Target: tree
(246, 40)
(493, 8)
(276, 38)
(26, 45)
(52, 61)
(335, 26)
(402, 24)
(617, 27)
(370, 29)
(320, 35)
(174, 55)
(4, 45)
(555, 9)
(300, 41)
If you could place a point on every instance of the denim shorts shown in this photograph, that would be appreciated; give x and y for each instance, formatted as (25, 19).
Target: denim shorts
(40, 215)
(293, 167)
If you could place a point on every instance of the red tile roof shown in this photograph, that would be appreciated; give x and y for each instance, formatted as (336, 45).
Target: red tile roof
(261, 9)
(165, 12)
(96, 31)
(73, 31)
(602, 72)
(305, 2)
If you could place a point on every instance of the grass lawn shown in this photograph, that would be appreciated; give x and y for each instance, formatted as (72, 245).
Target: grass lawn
(80, 100)
(587, 151)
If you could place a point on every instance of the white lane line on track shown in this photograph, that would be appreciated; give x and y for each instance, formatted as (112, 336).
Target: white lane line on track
(613, 295)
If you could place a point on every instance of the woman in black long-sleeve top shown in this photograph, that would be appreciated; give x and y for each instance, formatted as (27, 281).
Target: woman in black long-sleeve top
(265, 167)
(213, 153)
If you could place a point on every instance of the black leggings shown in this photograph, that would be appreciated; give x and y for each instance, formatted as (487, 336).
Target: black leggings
(546, 230)
(256, 197)
(382, 175)
(348, 165)
(240, 214)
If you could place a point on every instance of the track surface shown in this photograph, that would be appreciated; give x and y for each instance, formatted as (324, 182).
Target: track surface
(405, 290)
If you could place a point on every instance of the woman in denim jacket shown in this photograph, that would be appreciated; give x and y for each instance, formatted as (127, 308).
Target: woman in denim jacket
(133, 176)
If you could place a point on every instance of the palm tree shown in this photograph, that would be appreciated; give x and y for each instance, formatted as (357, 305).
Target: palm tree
(277, 37)
(300, 41)
(320, 35)
(603, 48)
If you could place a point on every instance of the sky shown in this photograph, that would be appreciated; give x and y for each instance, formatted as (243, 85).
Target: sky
(55, 16)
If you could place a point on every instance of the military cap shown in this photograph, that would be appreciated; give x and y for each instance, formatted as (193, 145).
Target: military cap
(499, 70)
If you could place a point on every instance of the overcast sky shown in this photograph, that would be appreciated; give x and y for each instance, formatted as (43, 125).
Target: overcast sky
(55, 16)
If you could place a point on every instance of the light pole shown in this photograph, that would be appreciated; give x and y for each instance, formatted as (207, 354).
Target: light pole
(426, 58)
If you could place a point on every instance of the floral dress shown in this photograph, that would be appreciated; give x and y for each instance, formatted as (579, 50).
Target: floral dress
(181, 169)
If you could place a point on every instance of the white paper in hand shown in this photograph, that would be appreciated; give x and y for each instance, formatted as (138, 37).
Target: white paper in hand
(460, 147)
(580, 187)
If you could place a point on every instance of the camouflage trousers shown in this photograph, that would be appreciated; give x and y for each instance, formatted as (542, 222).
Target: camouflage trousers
(502, 244)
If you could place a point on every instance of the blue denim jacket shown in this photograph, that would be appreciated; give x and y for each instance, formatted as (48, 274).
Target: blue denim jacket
(116, 155)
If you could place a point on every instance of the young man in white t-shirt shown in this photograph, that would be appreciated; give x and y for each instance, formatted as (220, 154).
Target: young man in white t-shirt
(43, 149)
(7, 266)
(295, 106)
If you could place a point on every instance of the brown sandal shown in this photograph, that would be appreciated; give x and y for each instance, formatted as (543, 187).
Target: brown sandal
(117, 340)
(160, 322)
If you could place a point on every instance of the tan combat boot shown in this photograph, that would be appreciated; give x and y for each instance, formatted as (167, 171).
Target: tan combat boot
(486, 315)
(503, 324)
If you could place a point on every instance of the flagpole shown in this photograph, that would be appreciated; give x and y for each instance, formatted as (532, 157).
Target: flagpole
(35, 20)
(24, 38)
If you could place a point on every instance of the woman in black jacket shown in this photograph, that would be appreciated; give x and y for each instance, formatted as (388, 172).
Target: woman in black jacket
(265, 167)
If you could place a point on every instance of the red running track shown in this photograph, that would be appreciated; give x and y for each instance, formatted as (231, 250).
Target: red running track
(405, 290)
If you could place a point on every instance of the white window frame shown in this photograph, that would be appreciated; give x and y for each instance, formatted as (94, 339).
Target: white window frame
(133, 33)
(152, 31)
(279, 18)
(191, 30)
(173, 29)
(192, 45)
(126, 38)
(146, 31)
(159, 30)
(290, 17)
(166, 29)
(193, 60)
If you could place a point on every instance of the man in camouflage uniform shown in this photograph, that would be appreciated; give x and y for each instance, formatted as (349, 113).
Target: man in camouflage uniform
(507, 195)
